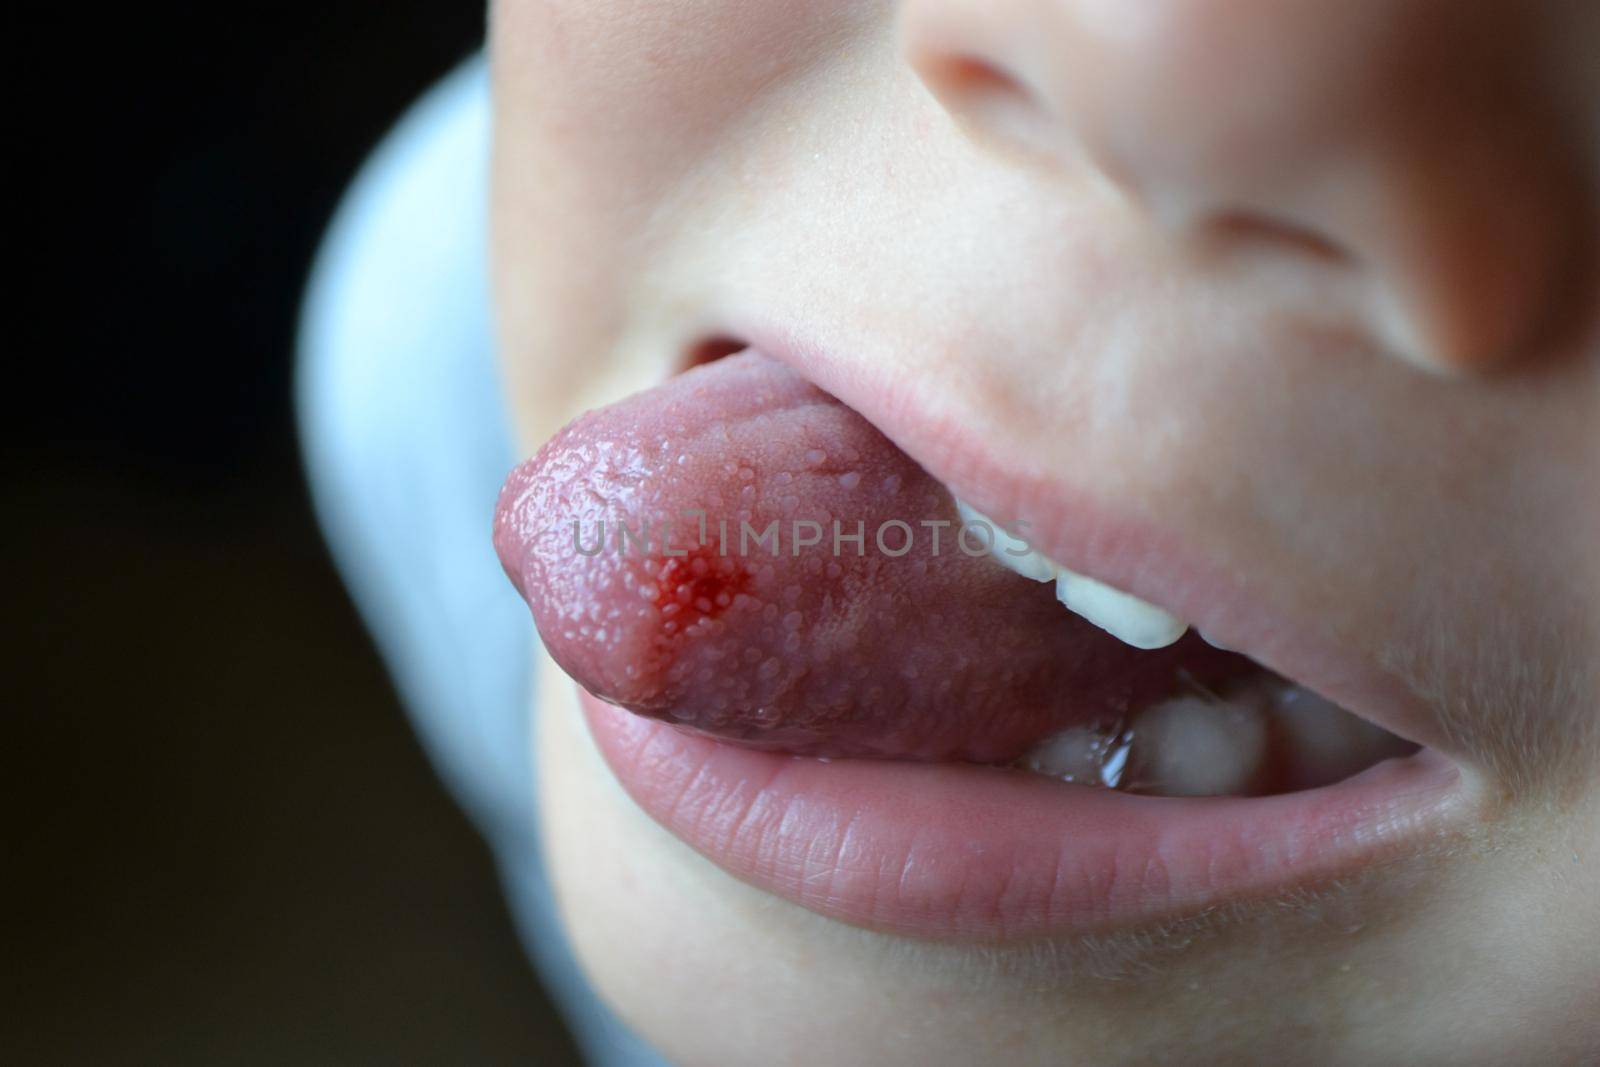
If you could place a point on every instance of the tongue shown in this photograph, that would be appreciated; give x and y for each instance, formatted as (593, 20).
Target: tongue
(810, 609)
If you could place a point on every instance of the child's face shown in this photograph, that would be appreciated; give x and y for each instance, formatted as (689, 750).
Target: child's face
(1305, 288)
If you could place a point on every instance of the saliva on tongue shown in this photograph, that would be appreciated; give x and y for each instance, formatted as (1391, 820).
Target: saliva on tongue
(642, 538)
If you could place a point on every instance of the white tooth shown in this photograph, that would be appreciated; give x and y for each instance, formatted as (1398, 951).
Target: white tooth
(1197, 746)
(1012, 552)
(1088, 755)
(1208, 639)
(1126, 617)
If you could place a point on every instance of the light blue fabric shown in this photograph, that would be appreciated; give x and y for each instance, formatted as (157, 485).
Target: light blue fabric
(406, 442)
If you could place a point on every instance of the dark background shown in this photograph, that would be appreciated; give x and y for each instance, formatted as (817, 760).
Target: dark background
(223, 844)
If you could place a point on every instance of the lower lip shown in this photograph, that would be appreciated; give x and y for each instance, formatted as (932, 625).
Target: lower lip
(961, 852)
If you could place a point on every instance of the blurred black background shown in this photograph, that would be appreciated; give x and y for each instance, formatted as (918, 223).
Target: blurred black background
(223, 844)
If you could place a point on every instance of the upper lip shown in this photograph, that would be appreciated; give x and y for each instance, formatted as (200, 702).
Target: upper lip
(1089, 536)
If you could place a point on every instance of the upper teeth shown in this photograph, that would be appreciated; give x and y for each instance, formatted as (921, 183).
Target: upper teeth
(1120, 614)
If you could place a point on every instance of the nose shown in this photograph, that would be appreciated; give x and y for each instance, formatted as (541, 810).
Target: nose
(1429, 143)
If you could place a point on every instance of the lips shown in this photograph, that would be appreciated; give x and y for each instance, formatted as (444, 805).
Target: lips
(749, 569)
(958, 852)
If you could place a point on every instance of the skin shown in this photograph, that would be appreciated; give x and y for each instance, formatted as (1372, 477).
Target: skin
(1313, 285)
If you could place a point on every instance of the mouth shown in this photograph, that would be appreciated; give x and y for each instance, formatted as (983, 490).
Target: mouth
(940, 696)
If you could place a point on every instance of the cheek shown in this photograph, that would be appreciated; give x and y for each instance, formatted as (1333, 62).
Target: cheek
(636, 92)
(606, 110)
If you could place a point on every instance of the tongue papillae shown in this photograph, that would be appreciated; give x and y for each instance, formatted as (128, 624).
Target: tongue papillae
(643, 537)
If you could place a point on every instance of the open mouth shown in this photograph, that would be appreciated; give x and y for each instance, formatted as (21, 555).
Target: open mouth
(850, 688)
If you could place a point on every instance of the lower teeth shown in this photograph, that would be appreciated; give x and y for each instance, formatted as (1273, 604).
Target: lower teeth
(1261, 735)
(1082, 754)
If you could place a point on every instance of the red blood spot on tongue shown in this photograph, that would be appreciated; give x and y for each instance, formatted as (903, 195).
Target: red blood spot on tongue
(696, 588)
(834, 647)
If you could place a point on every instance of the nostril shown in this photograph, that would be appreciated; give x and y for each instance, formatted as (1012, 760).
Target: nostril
(1243, 228)
(971, 77)
(991, 104)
